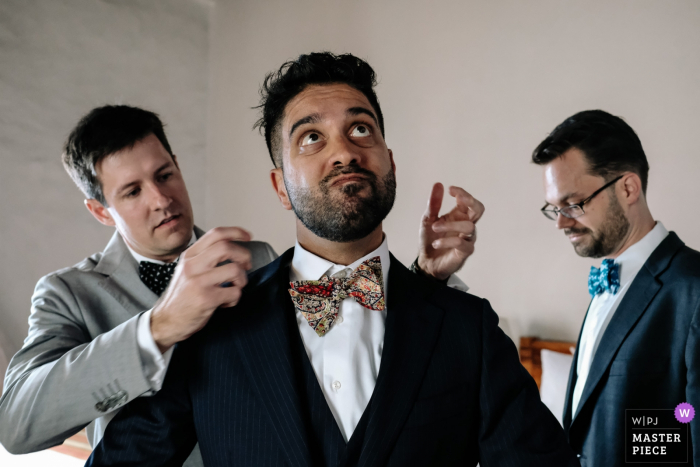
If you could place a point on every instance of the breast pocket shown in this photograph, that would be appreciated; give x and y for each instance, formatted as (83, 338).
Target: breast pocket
(436, 408)
(639, 367)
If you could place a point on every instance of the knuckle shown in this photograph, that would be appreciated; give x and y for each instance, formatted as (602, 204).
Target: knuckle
(186, 268)
(243, 281)
(235, 294)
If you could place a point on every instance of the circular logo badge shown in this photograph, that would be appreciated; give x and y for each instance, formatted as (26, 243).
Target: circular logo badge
(684, 412)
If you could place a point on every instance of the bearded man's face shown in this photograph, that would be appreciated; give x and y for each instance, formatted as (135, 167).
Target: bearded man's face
(338, 174)
(347, 211)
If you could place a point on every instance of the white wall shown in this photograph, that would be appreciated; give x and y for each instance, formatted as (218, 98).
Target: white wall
(59, 59)
(468, 89)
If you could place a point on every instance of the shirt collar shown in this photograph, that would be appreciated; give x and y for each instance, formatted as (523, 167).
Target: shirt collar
(140, 258)
(306, 266)
(632, 259)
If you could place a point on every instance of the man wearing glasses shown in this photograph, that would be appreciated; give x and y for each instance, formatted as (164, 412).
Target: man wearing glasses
(639, 347)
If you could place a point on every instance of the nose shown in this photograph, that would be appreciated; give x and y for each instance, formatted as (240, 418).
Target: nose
(345, 152)
(160, 200)
(564, 222)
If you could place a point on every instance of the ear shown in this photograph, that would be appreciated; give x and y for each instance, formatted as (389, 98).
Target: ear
(99, 212)
(277, 179)
(631, 188)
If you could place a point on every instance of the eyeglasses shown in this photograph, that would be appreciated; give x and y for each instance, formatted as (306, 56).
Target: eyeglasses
(574, 210)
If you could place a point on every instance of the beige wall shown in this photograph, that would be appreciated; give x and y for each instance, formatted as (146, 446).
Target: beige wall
(468, 89)
(59, 59)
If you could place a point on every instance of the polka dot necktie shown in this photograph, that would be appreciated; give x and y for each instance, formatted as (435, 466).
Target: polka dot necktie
(156, 276)
(319, 301)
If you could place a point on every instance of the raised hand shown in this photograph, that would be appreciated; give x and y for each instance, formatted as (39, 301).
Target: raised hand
(447, 241)
(195, 290)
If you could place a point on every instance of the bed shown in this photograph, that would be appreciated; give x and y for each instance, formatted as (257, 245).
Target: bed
(549, 363)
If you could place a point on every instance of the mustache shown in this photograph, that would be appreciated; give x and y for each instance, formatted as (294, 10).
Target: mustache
(348, 169)
(576, 231)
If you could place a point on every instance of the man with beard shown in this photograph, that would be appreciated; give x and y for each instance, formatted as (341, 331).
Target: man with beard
(639, 347)
(336, 354)
(101, 333)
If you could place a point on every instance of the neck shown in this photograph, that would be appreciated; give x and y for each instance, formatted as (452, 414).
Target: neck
(166, 257)
(339, 253)
(638, 230)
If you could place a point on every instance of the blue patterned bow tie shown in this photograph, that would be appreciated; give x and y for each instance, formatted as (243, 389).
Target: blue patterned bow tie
(605, 278)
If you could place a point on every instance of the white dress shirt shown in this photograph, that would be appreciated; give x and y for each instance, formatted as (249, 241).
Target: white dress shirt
(603, 305)
(346, 359)
(153, 362)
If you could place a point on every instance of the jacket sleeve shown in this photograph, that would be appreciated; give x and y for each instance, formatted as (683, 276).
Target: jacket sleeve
(61, 380)
(516, 428)
(153, 431)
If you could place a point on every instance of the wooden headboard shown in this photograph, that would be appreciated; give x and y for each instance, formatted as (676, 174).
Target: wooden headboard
(530, 348)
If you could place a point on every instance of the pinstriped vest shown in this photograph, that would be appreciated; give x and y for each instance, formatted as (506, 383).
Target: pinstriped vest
(328, 446)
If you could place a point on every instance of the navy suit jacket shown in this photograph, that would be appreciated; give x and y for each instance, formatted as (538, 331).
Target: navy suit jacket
(450, 390)
(648, 357)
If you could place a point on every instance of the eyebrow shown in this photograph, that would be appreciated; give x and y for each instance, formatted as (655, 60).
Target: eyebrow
(136, 182)
(565, 199)
(360, 111)
(313, 118)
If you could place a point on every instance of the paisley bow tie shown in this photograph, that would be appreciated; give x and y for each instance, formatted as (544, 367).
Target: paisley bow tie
(319, 301)
(605, 278)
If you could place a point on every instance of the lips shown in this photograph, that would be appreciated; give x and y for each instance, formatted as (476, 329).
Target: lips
(575, 235)
(167, 220)
(352, 177)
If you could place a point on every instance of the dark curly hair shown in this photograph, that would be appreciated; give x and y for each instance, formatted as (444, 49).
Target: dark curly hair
(104, 131)
(293, 77)
(610, 145)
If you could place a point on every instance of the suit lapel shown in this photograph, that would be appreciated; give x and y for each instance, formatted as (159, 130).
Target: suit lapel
(266, 346)
(573, 376)
(412, 329)
(637, 299)
(122, 280)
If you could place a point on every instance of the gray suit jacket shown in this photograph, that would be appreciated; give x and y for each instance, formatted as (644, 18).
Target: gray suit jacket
(80, 362)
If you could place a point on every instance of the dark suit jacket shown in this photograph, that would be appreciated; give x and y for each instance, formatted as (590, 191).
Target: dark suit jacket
(648, 357)
(450, 390)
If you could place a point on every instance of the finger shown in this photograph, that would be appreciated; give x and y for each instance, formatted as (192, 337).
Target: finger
(224, 251)
(464, 228)
(218, 234)
(231, 298)
(231, 275)
(457, 243)
(435, 202)
(467, 203)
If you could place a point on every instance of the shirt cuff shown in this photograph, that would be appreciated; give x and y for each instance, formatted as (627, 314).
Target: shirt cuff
(456, 283)
(453, 281)
(154, 363)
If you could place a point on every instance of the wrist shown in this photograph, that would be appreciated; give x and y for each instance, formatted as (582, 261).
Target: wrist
(416, 268)
(163, 339)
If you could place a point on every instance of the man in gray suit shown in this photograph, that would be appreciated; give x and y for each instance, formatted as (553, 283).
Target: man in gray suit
(97, 338)
(99, 335)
